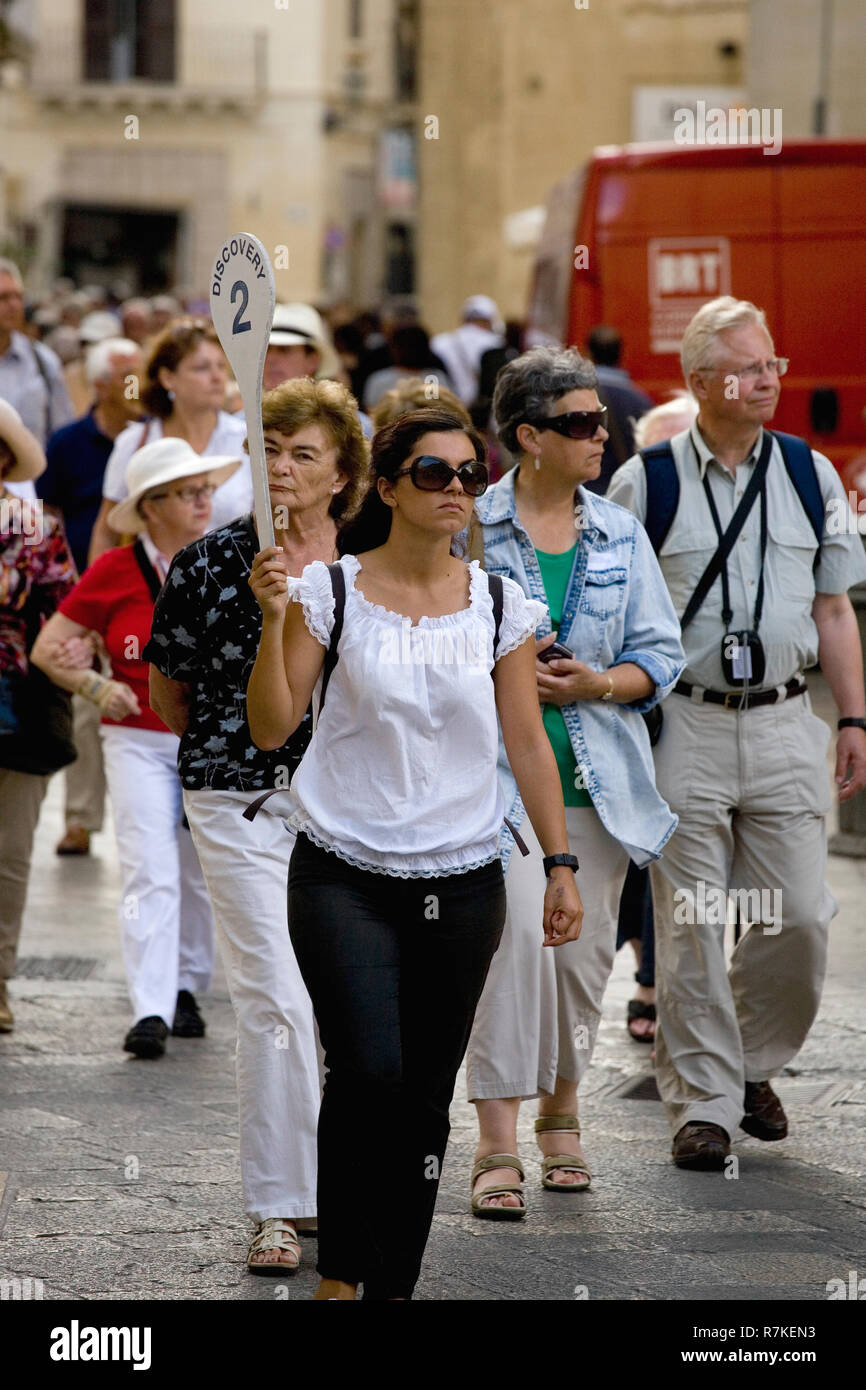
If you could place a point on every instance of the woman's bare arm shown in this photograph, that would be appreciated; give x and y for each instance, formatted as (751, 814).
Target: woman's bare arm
(534, 767)
(169, 700)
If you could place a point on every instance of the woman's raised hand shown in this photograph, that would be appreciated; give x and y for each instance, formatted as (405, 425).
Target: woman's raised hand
(563, 910)
(268, 581)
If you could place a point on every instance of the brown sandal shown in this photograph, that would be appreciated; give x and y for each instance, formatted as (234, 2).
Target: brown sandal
(486, 1213)
(563, 1124)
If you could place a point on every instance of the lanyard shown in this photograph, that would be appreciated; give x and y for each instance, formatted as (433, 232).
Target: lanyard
(738, 520)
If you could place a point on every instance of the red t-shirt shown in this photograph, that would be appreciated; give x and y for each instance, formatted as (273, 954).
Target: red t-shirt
(113, 599)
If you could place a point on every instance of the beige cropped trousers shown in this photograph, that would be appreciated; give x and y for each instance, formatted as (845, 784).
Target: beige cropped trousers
(540, 1009)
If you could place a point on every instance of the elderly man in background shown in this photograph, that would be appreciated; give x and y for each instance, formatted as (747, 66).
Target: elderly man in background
(31, 375)
(72, 482)
(135, 318)
(741, 758)
(462, 350)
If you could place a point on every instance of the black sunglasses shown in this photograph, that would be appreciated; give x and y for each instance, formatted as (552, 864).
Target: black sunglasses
(574, 424)
(431, 474)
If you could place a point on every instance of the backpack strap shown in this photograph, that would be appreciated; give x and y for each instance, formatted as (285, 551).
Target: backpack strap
(800, 464)
(496, 590)
(46, 381)
(338, 584)
(151, 578)
(662, 491)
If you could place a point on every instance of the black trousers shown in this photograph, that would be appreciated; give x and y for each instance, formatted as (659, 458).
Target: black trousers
(395, 968)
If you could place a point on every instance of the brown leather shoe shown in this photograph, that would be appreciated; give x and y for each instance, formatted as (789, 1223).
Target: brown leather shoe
(7, 1022)
(75, 841)
(764, 1118)
(702, 1146)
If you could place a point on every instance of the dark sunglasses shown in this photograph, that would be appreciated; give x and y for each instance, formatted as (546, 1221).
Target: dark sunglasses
(434, 475)
(575, 424)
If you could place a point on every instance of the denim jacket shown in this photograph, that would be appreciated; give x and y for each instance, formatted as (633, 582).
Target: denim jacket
(616, 609)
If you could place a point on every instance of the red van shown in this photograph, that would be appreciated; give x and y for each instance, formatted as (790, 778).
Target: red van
(645, 234)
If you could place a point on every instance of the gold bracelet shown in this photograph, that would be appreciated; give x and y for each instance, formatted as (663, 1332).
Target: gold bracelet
(608, 694)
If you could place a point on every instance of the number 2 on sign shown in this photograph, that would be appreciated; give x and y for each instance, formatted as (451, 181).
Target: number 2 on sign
(239, 323)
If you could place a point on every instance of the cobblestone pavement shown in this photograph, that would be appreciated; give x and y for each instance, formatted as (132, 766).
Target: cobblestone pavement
(120, 1178)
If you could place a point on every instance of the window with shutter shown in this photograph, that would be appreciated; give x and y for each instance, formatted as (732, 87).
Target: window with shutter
(98, 27)
(156, 44)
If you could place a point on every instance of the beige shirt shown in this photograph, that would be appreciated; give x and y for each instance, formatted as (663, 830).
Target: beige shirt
(787, 629)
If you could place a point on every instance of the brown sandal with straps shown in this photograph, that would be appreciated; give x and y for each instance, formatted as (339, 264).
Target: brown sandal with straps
(563, 1124)
(497, 1213)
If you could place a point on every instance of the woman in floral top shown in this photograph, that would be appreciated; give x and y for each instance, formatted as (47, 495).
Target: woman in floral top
(36, 573)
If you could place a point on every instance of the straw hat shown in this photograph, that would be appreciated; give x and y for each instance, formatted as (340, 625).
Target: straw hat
(164, 461)
(29, 459)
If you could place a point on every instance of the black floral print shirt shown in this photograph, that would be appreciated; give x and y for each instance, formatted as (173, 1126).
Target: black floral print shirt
(206, 629)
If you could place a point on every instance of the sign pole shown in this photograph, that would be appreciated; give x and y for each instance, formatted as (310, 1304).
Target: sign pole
(242, 297)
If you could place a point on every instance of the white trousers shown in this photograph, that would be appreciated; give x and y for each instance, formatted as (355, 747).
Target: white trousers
(540, 1009)
(246, 865)
(166, 921)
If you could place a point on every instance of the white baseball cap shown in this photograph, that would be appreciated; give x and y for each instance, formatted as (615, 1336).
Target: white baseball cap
(479, 306)
(164, 461)
(98, 325)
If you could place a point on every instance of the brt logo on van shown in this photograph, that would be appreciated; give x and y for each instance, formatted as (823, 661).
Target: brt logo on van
(684, 272)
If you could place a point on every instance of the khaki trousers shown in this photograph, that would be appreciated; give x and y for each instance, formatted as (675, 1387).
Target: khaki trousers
(21, 795)
(752, 791)
(85, 778)
(539, 1012)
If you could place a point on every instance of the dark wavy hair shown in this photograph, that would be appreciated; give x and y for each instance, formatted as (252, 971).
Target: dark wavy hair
(392, 446)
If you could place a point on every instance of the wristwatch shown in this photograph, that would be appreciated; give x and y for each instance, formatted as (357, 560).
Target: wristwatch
(851, 724)
(569, 861)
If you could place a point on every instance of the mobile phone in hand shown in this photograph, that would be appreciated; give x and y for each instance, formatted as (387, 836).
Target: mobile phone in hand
(555, 652)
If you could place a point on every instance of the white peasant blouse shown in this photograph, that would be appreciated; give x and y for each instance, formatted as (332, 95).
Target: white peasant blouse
(400, 775)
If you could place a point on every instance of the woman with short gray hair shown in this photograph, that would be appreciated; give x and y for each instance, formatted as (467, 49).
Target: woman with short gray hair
(593, 567)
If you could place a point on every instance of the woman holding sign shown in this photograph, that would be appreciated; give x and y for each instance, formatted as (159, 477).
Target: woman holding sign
(396, 898)
(206, 630)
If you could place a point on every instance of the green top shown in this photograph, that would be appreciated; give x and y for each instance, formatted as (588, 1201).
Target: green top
(555, 574)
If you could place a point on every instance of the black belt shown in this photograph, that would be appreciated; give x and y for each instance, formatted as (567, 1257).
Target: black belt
(733, 699)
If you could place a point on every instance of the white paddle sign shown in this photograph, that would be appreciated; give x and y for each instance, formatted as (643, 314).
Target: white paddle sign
(242, 299)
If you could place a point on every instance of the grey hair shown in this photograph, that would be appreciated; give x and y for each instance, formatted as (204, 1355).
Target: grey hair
(528, 386)
(699, 347)
(10, 268)
(98, 361)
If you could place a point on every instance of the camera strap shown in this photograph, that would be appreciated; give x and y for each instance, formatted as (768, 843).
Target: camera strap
(719, 563)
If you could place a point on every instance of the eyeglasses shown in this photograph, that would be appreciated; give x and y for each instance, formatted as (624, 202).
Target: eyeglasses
(574, 424)
(431, 474)
(777, 366)
(186, 494)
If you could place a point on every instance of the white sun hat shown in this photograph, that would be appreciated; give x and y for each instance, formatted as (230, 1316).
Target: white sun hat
(164, 461)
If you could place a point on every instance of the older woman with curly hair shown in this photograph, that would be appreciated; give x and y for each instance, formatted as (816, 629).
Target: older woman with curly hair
(206, 631)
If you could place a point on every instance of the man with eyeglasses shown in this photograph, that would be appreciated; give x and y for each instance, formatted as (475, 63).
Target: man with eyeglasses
(741, 757)
(31, 377)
